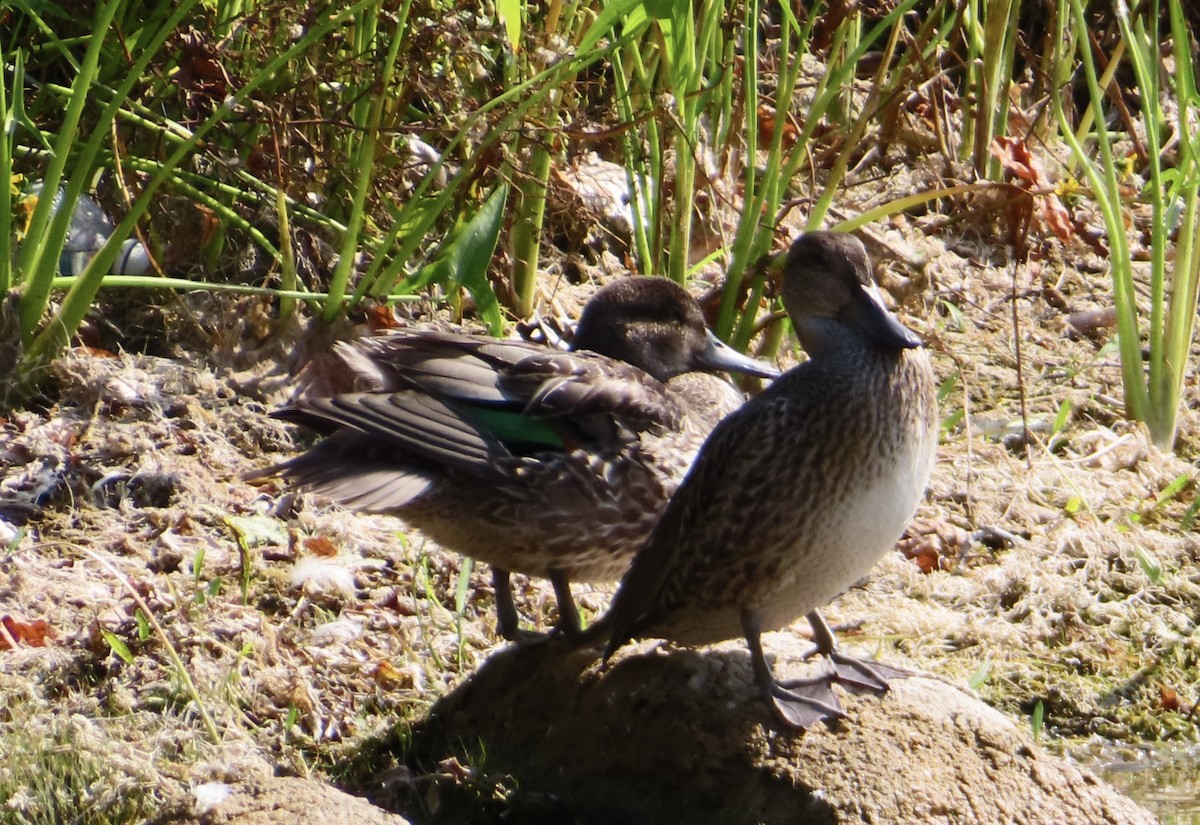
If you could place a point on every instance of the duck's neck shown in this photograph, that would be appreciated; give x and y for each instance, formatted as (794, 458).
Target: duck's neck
(822, 336)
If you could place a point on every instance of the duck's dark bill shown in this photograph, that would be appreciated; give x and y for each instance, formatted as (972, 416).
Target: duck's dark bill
(718, 355)
(881, 326)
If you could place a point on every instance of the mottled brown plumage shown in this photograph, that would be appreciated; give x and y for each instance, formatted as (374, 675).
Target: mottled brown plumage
(534, 460)
(796, 495)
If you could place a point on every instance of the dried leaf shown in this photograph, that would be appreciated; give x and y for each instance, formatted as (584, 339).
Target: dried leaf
(768, 122)
(202, 78)
(927, 558)
(382, 317)
(320, 546)
(1168, 698)
(933, 544)
(387, 676)
(1018, 161)
(93, 352)
(32, 633)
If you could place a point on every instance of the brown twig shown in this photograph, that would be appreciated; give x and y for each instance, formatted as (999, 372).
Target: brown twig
(1020, 258)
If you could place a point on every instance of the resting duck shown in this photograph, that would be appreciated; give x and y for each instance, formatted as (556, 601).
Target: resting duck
(534, 460)
(798, 493)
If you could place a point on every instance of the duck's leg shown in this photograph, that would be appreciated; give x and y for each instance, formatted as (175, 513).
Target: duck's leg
(799, 703)
(507, 621)
(568, 615)
(856, 675)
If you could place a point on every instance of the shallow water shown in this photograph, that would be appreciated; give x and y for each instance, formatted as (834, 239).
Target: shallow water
(1164, 777)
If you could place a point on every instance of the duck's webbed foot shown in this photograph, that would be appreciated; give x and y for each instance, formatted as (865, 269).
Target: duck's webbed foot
(802, 703)
(862, 675)
(856, 675)
(797, 703)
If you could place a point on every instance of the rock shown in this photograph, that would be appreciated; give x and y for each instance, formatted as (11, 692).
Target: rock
(682, 736)
(279, 800)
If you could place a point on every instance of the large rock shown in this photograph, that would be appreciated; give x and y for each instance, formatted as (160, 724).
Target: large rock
(682, 736)
(278, 800)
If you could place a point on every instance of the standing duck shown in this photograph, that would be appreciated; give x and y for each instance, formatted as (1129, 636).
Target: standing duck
(546, 462)
(798, 493)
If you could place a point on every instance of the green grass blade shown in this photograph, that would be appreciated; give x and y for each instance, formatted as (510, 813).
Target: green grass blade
(364, 164)
(527, 227)
(8, 128)
(47, 229)
(1106, 191)
(78, 300)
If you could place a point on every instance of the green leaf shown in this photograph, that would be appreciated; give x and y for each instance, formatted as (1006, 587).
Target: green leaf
(1189, 517)
(1109, 348)
(511, 15)
(980, 675)
(946, 387)
(117, 645)
(953, 420)
(464, 258)
(1073, 504)
(463, 588)
(143, 625)
(679, 34)
(1064, 415)
(954, 315)
(1037, 720)
(1173, 489)
(17, 114)
(631, 13)
(1150, 565)
(17, 537)
(661, 9)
